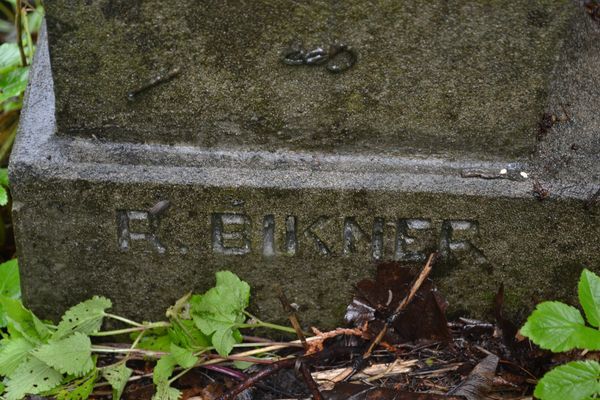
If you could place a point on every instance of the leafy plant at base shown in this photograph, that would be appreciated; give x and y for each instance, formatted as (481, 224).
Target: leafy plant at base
(60, 361)
(559, 327)
(220, 311)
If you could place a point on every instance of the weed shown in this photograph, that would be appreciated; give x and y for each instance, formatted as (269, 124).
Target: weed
(559, 327)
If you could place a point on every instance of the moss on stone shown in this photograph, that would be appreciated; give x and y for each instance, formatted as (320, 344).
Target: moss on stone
(439, 77)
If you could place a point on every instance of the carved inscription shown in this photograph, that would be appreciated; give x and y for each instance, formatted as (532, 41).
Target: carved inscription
(231, 234)
(145, 230)
(270, 235)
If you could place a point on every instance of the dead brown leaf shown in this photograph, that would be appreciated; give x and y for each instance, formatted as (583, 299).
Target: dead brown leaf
(423, 319)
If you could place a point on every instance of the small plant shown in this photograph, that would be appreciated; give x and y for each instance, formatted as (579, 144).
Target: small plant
(558, 327)
(37, 357)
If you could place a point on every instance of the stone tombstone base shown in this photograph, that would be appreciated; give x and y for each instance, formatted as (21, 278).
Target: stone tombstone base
(142, 212)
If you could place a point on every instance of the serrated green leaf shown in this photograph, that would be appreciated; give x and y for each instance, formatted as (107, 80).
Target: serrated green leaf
(85, 317)
(183, 357)
(12, 353)
(13, 83)
(220, 309)
(79, 389)
(222, 305)
(574, 381)
(165, 392)
(186, 334)
(165, 366)
(71, 355)
(159, 342)
(223, 340)
(117, 375)
(589, 296)
(23, 322)
(9, 56)
(163, 369)
(32, 377)
(559, 327)
(10, 285)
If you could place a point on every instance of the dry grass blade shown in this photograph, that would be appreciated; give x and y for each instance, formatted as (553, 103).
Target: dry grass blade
(327, 379)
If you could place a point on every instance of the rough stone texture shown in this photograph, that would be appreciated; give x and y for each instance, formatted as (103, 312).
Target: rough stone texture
(441, 76)
(90, 199)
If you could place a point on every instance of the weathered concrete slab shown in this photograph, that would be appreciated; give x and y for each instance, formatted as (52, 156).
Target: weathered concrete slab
(105, 204)
(461, 76)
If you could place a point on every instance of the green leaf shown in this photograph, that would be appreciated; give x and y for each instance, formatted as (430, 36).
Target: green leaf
(589, 296)
(85, 317)
(117, 375)
(72, 355)
(221, 309)
(558, 327)
(10, 285)
(12, 353)
(3, 196)
(575, 380)
(13, 83)
(183, 357)
(165, 392)
(223, 340)
(22, 321)
(12, 104)
(4, 177)
(163, 369)
(242, 365)
(80, 389)
(9, 56)
(32, 377)
(186, 334)
(35, 18)
(154, 342)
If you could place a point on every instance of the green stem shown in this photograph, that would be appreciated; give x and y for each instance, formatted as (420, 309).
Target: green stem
(185, 330)
(28, 33)
(179, 375)
(149, 353)
(139, 328)
(125, 320)
(19, 23)
(137, 340)
(261, 324)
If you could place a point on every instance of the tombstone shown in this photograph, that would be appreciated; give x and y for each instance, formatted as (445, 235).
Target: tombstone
(299, 143)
